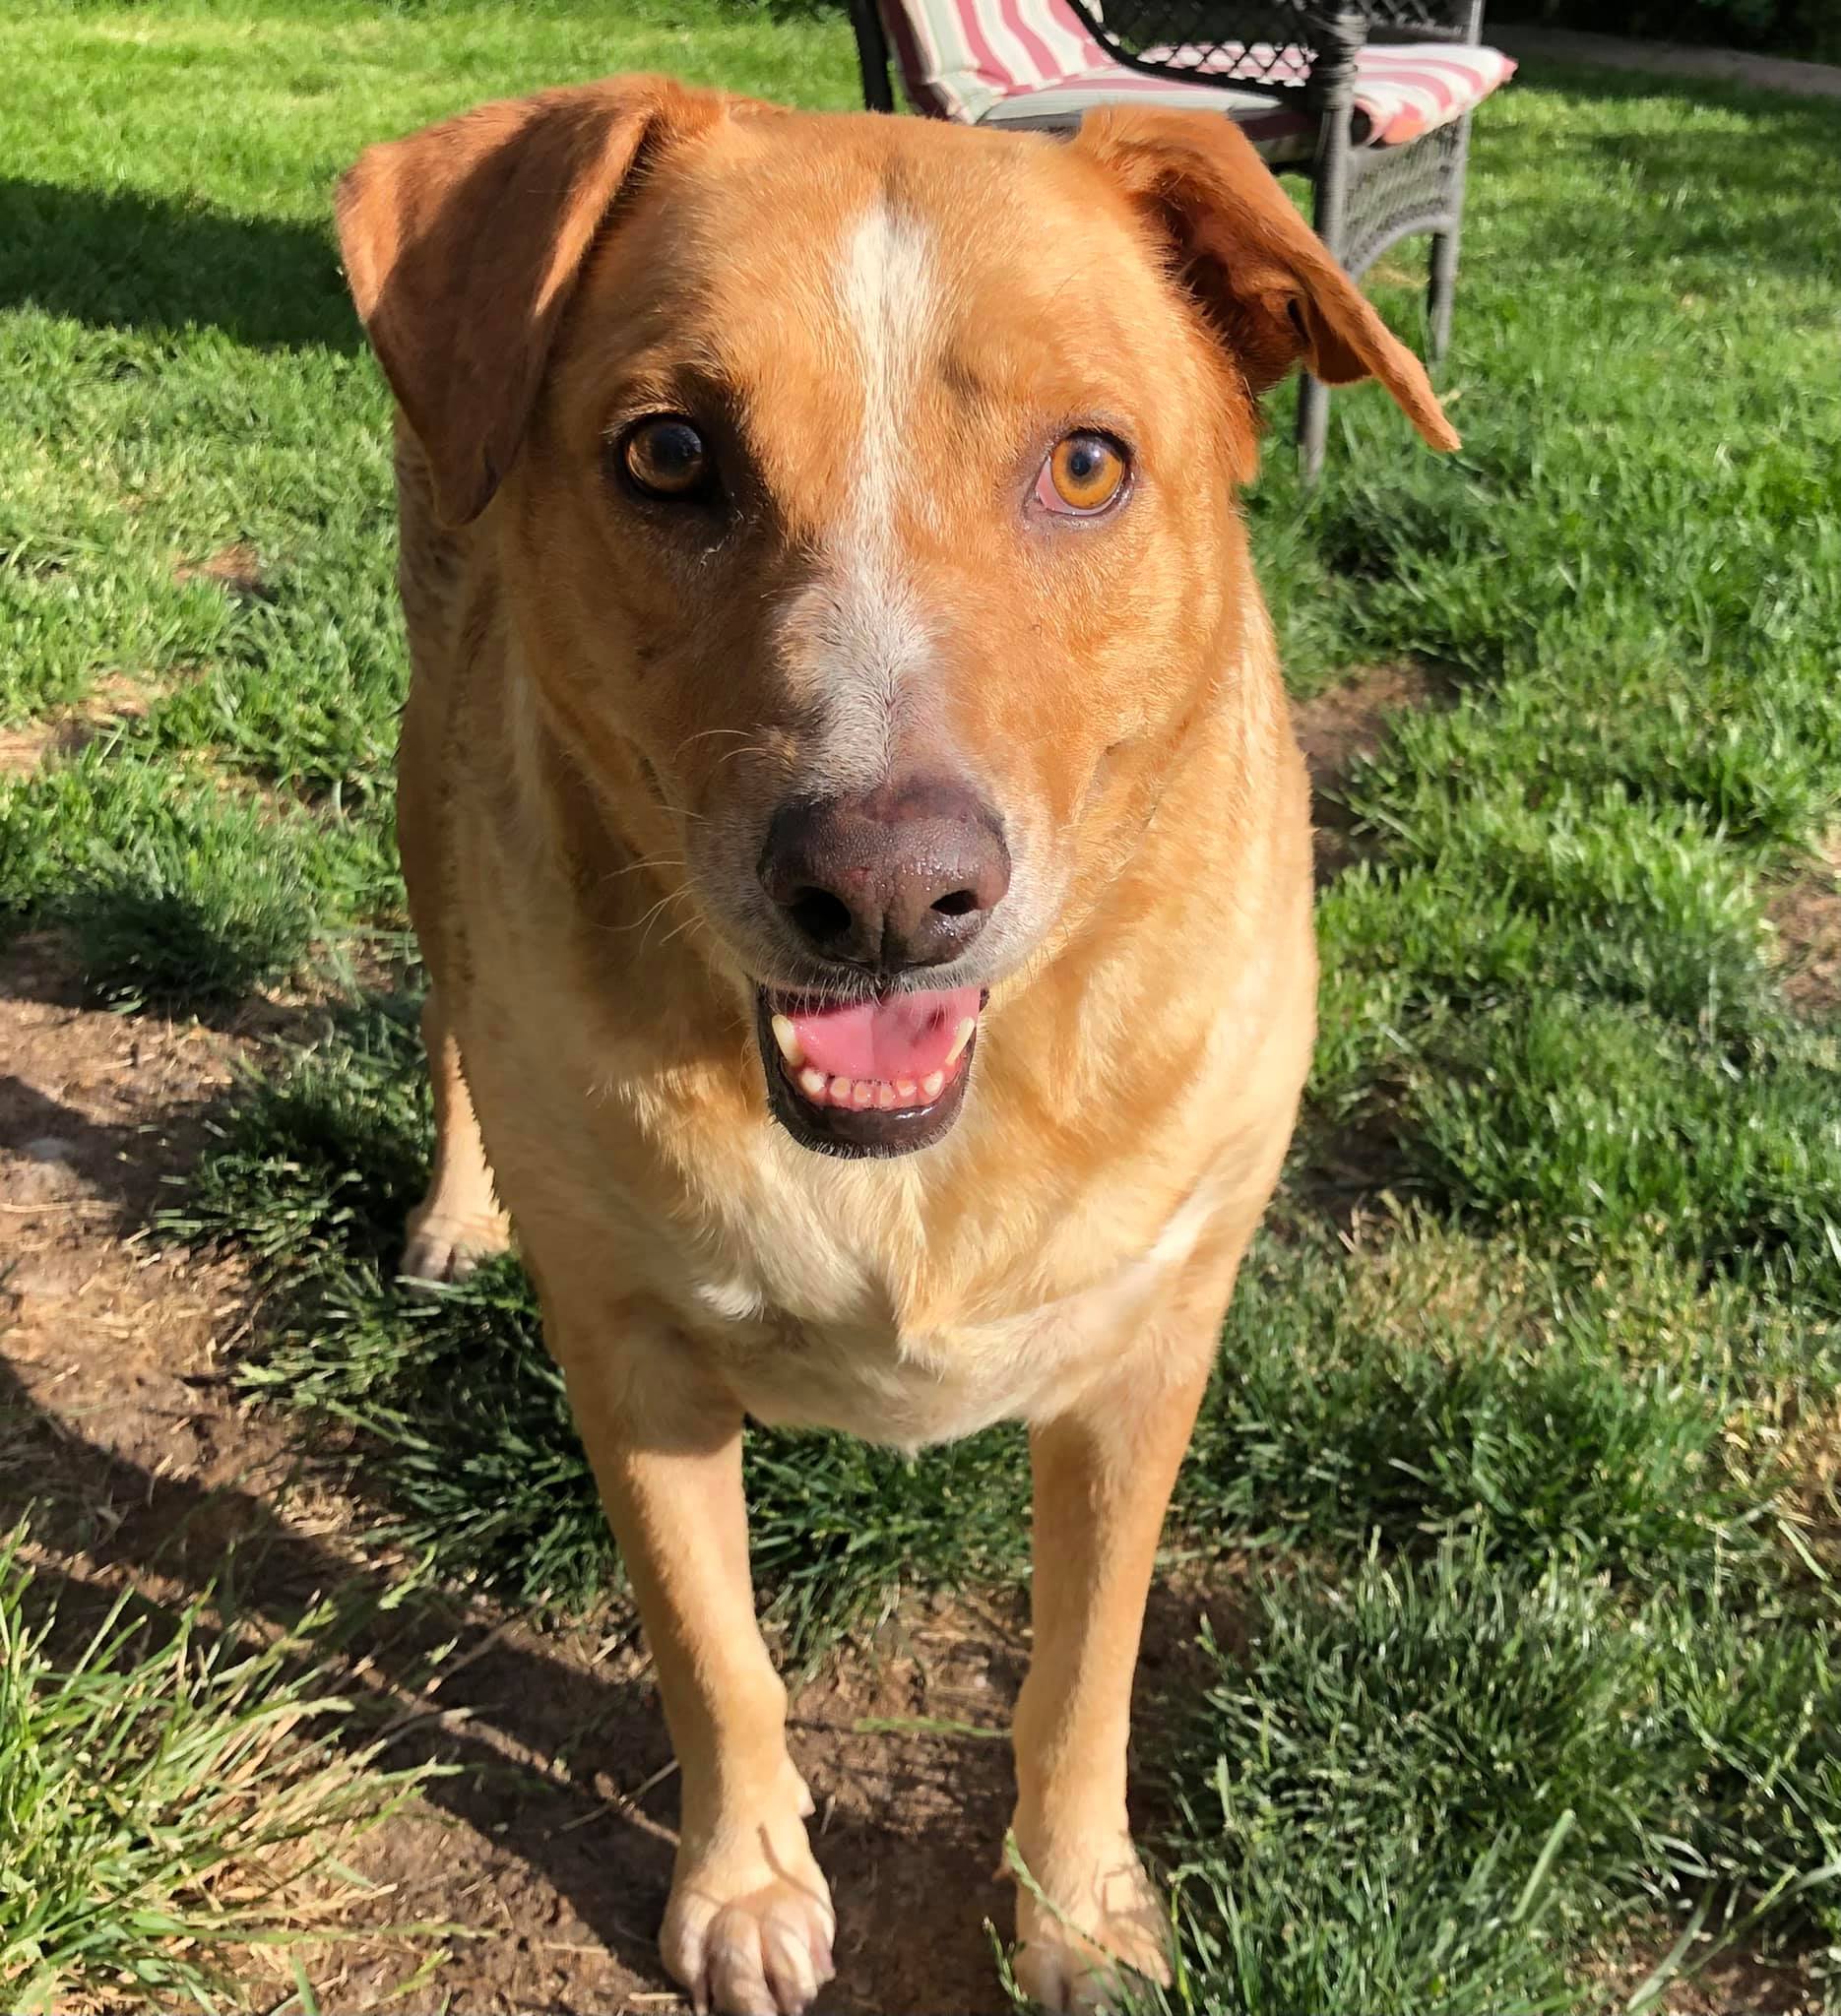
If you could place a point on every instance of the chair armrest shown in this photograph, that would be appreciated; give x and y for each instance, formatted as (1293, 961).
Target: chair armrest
(1440, 21)
(1274, 46)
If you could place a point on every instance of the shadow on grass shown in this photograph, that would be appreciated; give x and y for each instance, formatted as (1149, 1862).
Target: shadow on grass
(135, 1522)
(1693, 213)
(131, 948)
(140, 945)
(537, 1751)
(914, 1809)
(1559, 76)
(119, 260)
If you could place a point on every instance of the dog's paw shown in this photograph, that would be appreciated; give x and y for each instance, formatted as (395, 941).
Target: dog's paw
(1090, 1921)
(749, 1928)
(443, 1246)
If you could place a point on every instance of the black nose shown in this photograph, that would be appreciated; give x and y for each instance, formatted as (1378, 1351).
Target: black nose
(901, 876)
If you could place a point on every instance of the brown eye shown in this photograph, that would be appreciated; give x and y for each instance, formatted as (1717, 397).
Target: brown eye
(666, 457)
(1083, 474)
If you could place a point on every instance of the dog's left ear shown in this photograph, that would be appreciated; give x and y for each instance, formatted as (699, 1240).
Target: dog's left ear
(1269, 287)
(463, 244)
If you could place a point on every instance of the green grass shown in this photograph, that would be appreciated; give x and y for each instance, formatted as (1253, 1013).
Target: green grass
(178, 888)
(172, 1795)
(1543, 1659)
(1436, 1778)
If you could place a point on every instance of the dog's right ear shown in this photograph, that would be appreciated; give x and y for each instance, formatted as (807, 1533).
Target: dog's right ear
(463, 244)
(1272, 294)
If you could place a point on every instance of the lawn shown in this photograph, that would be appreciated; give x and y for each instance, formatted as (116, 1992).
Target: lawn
(1527, 1428)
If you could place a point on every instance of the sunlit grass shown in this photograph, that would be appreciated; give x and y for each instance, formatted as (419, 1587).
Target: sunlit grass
(175, 1798)
(1525, 1451)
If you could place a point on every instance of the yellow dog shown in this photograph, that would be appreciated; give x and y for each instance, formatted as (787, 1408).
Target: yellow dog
(853, 828)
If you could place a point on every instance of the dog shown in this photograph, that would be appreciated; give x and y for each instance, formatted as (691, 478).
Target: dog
(854, 829)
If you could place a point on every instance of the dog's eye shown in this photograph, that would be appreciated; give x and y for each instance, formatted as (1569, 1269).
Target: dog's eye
(666, 457)
(1083, 474)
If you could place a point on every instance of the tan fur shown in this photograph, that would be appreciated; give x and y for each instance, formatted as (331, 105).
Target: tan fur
(883, 326)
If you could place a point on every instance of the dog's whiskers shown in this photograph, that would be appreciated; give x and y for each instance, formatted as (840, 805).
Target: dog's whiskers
(646, 861)
(670, 897)
(703, 735)
(677, 930)
(729, 755)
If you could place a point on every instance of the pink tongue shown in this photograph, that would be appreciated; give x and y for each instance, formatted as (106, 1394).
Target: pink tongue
(902, 1036)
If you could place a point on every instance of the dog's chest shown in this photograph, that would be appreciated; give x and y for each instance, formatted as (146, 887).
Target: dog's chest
(828, 1303)
(907, 1302)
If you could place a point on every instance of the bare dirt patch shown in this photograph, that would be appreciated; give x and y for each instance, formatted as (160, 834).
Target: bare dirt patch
(1806, 912)
(1731, 1983)
(112, 699)
(237, 569)
(93, 1110)
(1337, 728)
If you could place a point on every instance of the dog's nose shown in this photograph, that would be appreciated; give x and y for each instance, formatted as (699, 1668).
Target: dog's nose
(901, 876)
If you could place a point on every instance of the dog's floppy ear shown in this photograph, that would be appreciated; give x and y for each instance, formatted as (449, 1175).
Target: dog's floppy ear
(1272, 290)
(463, 243)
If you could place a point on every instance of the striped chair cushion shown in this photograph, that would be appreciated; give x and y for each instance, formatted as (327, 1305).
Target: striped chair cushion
(1034, 63)
(1402, 90)
(1278, 133)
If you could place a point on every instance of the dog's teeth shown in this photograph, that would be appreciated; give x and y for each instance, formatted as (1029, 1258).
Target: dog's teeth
(961, 1036)
(841, 1088)
(932, 1082)
(863, 1092)
(887, 1096)
(907, 1091)
(788, 1037)
(811, 1083)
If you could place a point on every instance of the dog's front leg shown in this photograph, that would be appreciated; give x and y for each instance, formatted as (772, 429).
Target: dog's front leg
(459, 1222)
(1103, 1469)
(750, 1926)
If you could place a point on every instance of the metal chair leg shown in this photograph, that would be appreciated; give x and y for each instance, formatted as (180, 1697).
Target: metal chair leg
(1313, 425)
(1332, 86)
(873, 56)
(1439, 295)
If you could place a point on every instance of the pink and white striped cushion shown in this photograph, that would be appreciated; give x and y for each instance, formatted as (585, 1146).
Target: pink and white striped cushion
(1402, 90)
(1278, 133)
(960, 57)
(1033, 62)
(1406, 89)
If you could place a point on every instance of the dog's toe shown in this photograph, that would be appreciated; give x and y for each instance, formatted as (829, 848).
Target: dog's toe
(440, 1248)
(1089, 1931)
(750, 1941)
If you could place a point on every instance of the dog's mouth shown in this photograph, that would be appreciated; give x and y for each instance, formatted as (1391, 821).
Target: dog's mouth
(882, 1075)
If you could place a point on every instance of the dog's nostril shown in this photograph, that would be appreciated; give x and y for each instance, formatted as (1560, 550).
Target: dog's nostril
(885, 880)
(820, 914)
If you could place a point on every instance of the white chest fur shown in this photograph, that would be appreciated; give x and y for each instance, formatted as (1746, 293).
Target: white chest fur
(819, 1298)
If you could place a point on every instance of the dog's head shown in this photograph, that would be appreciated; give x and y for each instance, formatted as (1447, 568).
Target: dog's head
(866, 486)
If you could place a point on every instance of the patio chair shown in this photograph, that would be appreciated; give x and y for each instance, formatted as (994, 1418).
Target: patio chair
(1372, 102)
